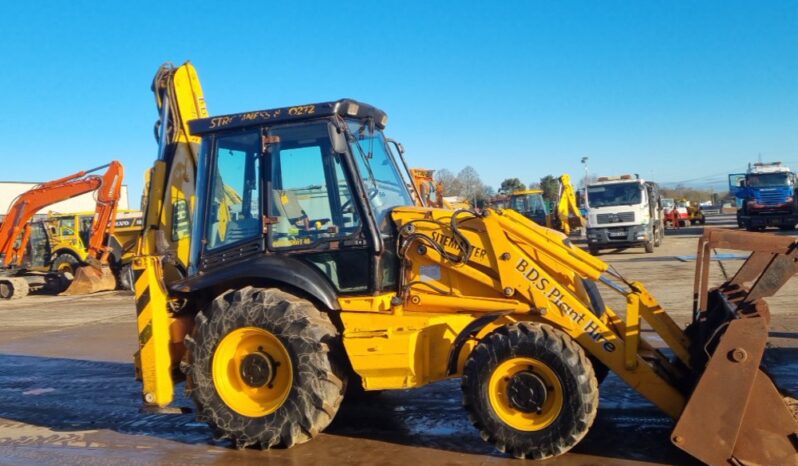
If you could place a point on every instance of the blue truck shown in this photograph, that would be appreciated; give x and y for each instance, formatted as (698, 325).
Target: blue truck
(765, 197)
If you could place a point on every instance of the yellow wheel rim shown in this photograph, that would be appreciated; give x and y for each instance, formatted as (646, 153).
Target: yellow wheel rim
(523, 373)
(66, 267)
(252, 371)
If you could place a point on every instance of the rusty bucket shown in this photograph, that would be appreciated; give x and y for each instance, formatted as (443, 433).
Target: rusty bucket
(735, 414)
(90, 279)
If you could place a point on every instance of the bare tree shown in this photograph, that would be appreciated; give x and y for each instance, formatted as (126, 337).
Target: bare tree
(472, 187)
(451, 185)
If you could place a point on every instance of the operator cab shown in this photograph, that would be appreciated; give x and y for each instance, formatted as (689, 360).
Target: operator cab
(298, 188)
(531, 204)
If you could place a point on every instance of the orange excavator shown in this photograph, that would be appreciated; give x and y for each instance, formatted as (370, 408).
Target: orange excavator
(17, 274)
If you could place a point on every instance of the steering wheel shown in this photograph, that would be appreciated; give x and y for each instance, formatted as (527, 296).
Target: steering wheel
(371, 194)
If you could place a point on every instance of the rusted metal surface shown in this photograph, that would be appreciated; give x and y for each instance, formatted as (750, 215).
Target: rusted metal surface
(769, 432)
(778, 272)
(709, 425)
(735, 414)
(752, 267)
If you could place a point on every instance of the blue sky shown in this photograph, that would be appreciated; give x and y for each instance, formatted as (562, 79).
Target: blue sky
(673, 90)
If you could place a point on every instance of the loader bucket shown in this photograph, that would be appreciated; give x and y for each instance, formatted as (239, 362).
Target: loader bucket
(735, 414)
(90, 279)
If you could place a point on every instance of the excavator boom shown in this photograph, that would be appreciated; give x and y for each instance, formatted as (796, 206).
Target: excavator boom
(97, 276)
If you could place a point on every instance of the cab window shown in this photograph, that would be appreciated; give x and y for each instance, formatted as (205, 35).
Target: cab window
(234, 211)
(66, 226)
(310, 197)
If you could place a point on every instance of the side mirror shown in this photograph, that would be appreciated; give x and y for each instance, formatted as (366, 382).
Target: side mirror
(337, 138)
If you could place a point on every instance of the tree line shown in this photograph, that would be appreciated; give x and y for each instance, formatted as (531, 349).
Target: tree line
(466, 184)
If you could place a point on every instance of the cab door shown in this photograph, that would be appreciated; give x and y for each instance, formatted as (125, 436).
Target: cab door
(313, 215)
(233, 224)
(737, 184)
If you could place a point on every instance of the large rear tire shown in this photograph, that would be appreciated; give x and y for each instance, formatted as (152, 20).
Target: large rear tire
(530, 390)
(263, 368)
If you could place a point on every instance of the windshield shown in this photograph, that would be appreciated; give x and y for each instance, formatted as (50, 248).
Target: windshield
(529, 203)
(614, 194)
(667, 203)
(770, 180)
(382, 181)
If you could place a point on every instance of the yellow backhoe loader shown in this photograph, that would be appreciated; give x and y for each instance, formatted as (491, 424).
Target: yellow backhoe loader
(565, 215)
(321, 272)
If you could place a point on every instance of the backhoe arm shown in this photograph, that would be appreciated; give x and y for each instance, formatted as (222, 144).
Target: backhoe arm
(163, 248)
(102, 226)
(567, 209)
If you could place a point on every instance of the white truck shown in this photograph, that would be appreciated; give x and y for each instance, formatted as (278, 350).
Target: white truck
(624, 211)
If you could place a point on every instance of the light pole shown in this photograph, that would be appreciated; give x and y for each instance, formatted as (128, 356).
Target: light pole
(584, 183)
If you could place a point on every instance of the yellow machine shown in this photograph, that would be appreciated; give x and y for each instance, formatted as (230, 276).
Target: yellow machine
(69, 235)
(321, 272)
(568, 216)
(531, 204)
(565, 215)
(430, 191)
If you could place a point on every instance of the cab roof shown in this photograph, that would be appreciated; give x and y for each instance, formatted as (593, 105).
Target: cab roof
(346, 108)
(526, 191)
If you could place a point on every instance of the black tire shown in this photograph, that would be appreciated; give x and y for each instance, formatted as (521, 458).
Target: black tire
(65, 262)
(313, 343)
(563, 357)
(649, 246)
(593, 250)
(124, 278)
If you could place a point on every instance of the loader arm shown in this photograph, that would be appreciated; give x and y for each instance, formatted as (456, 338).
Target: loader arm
(502, 262)
(27, 204)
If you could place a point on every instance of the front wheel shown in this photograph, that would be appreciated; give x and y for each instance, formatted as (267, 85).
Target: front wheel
(530, 390)
(264, 368)
(65, 263)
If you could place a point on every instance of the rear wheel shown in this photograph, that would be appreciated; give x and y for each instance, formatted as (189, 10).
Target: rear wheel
(593, 250)
(263, 368)
(530, 390)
